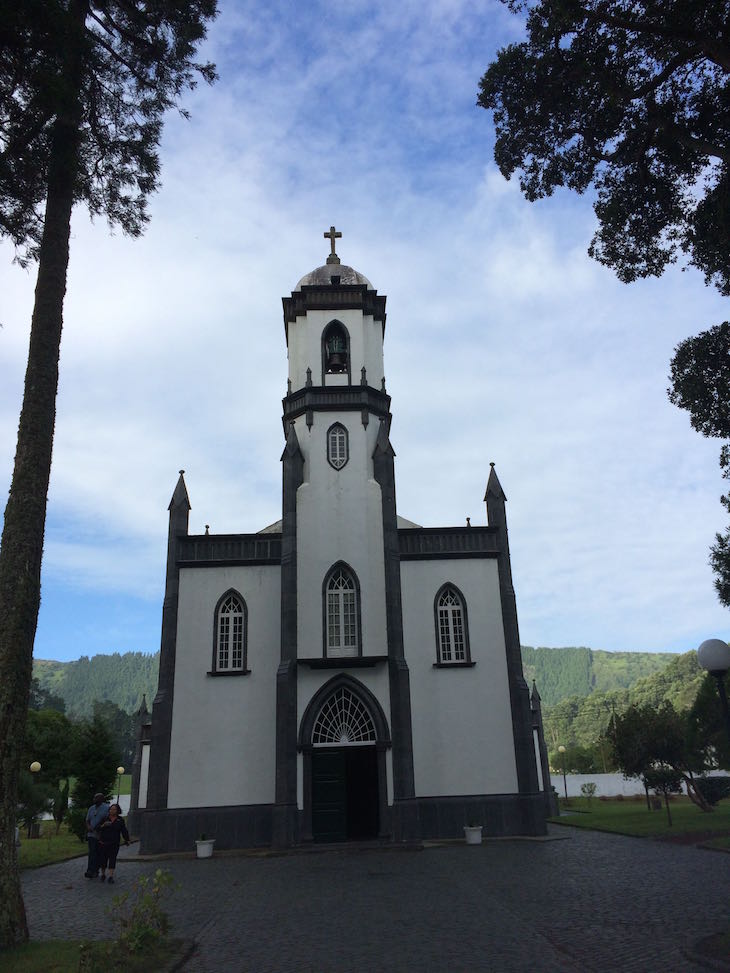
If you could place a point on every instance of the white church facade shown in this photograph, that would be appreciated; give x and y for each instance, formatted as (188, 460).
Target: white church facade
(343, 674)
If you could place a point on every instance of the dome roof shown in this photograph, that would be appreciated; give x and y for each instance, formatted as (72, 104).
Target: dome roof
(323, 276)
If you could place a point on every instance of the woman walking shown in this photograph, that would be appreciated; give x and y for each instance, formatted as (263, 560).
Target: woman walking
(110, 834)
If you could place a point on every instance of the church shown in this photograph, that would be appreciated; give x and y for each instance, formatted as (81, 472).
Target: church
(343, 674)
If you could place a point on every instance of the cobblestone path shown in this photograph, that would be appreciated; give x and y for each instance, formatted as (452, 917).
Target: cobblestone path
(582, 903)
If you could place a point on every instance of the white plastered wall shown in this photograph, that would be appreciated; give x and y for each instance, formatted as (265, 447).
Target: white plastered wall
(305, 347)
(223, 727)
(339, 518)
(309, 682)
(462, 724)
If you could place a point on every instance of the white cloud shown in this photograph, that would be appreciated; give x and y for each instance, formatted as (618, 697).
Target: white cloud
(504, 342)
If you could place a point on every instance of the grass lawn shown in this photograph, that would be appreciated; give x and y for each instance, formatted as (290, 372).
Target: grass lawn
(50, 847)
(61, 956)
(632, 818)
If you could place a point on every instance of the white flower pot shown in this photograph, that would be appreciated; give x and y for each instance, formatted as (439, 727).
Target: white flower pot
(473, 835)
(204, 847)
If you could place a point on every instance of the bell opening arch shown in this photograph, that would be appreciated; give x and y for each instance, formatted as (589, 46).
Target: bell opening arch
(343, 739)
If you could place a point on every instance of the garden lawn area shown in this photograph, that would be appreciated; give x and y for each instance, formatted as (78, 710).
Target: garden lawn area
(62, 956)
(50, 847)
(631, 817)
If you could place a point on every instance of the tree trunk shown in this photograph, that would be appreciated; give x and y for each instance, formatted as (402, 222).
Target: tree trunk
(694, 794)
(666, 804)
(25, 515)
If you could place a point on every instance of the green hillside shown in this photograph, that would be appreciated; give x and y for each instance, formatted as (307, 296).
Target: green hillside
(565, 672)
(582, 720)
(123, 679)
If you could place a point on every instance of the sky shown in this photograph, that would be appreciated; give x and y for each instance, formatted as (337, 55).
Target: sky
(505, 343)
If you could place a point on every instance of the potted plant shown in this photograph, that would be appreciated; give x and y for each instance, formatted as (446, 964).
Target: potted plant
(204, 846)
(473, 833)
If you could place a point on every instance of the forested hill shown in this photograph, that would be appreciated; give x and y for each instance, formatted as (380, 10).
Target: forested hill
(120, 678)
(572, 671)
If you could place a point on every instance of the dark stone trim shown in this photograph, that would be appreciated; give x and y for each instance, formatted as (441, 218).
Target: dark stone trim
(454, 665)
(368, 699)
(425, 543)
(329, 398)
(176, 829)
(330, 326)
(338, 425)
(225, 549)
(452, 556)
(552, 808)
(405, 825)
(216, 619)
(341, 565)
(345, 662)
(161, 727)
(519, 695)
(500, 815)
(233, 562)
(336, 297)
(251, 826)
(228, 672)
(143, 730)
(285, 819)
(465, 623)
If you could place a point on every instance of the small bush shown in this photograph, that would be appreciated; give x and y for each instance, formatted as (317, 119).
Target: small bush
(141, 919)
(619, 797)
(588, 790)
(713, 789)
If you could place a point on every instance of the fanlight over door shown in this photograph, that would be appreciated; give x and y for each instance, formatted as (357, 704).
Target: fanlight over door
(343, 720)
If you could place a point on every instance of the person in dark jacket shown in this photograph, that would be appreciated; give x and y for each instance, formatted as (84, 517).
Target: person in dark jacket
(110, 834)
(95, 817)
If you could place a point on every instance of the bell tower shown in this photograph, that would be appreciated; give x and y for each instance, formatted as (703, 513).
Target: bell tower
(341, 600)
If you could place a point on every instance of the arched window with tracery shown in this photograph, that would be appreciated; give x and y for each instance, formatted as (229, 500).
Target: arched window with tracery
(337, 446)
(452, 633)
(341, 613)
(230, 648)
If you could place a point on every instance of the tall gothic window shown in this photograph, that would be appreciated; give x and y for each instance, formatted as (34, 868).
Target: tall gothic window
(452, 638)
(342, 613)
(335, 348)
(230, 638)
(337, 446)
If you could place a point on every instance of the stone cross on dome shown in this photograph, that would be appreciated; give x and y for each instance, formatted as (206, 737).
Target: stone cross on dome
(333, 235)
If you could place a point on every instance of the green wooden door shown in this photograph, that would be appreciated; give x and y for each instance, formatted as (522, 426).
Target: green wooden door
(329, 795)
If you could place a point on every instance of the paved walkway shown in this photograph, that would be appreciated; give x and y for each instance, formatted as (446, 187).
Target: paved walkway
(582, 903)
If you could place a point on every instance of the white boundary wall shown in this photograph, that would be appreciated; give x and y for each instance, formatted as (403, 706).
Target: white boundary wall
(607, 785)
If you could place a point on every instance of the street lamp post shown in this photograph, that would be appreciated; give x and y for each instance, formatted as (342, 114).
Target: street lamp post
(34, 768)
(120, 771)
(714, 656)
(561, 751)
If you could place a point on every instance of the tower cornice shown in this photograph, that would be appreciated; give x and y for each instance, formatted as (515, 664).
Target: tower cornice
(319, 398)
(335, 297)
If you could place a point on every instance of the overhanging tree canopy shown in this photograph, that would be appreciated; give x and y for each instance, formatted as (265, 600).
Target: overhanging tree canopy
(632, 99)
(700, 380)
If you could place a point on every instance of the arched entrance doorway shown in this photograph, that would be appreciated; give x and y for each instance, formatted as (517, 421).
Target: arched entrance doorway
(343, 739)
